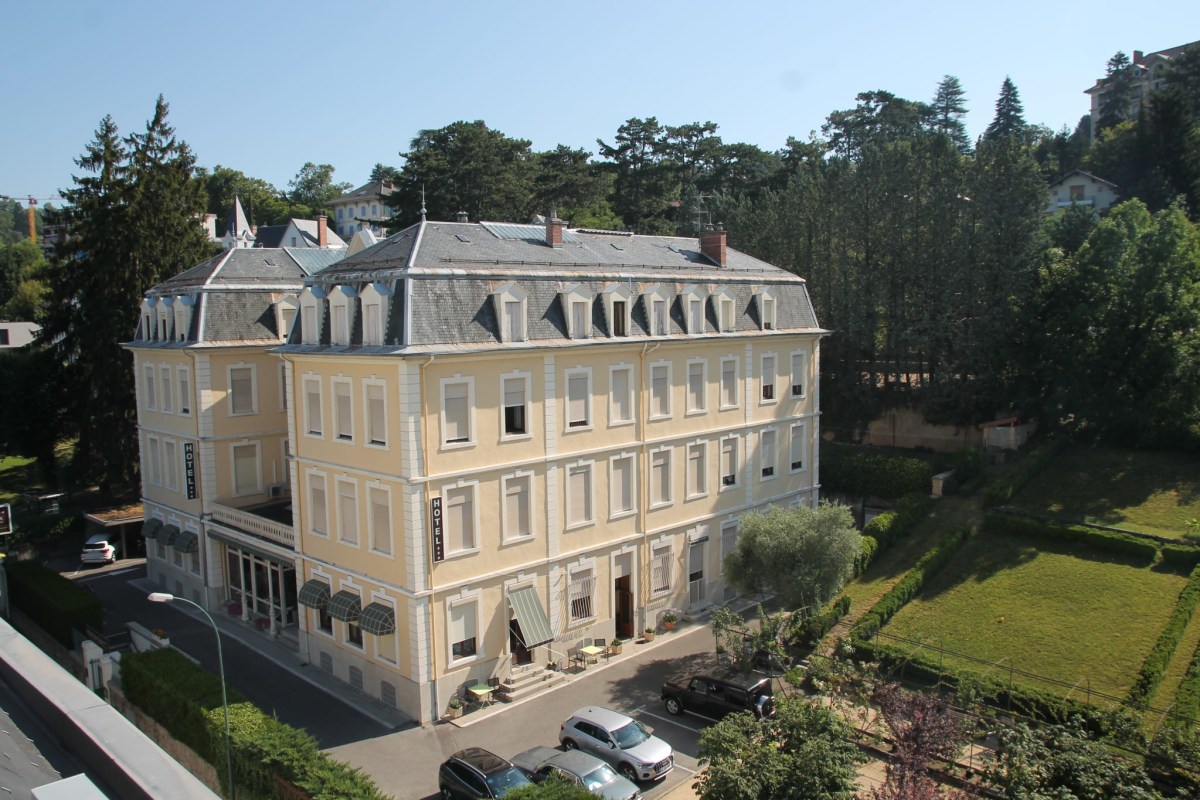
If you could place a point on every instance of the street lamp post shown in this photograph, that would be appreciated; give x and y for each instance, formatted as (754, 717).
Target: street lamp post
(164, 597)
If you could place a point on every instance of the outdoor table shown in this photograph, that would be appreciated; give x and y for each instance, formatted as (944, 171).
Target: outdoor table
(482, 692)
(591, 651)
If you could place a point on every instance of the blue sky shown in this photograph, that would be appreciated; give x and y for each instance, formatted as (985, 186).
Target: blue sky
(263, 86)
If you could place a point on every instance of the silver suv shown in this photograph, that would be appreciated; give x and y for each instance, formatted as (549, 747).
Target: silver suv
(625, 743)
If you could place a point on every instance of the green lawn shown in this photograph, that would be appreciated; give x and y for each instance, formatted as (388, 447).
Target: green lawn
(1141, 491)
(14, 477)
(1055, 609)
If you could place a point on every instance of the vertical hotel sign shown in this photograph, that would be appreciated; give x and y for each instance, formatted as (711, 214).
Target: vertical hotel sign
(435, 524)
(189, 469)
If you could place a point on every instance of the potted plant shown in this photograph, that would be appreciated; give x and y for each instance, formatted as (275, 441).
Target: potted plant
(669, 620)
(648, 635)
(455, 708)
(615, 647)
(552, 665)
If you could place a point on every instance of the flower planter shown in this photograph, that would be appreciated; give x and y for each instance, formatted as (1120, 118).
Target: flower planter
(615, 649)
(453, 712)
(648, 636)
(668, 626)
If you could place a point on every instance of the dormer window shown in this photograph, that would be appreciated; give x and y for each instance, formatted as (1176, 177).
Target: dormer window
(183, 317)
(164, 319)
(285, 310)
(657, 301)
(148, 319)
(339, 314)
(726, 310)
(766, 309)
(374, 308)
(693, 298)
(577, 307)
(510, 310)
(618, 304)
(310, 315)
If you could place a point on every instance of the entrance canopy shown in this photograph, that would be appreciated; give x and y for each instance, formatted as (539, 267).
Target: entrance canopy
(527, 608)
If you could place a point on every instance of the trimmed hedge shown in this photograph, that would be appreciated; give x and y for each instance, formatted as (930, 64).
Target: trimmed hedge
(1168, 640)
(862, 474)
(1002, 491)
(879, 533)
(1112, 541)
(929, 565)
(57, 605)
(186, 700)
(1180, 555)
(810, 630)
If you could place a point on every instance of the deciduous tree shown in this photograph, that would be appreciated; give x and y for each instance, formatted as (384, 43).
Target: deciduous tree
(313, 187)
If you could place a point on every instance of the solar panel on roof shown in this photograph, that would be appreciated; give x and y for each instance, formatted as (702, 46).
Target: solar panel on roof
(616, 246)
(461, 238)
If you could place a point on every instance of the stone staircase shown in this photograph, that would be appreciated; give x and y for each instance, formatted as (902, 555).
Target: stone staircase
(526, 680)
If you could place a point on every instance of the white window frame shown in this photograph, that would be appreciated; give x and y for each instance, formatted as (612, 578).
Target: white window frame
(310, 317)
(511, 293)
(342, 401)
(148, 329)
(588, 422)
(154, 457)
(287, 309)
(702, 406)
(799, 434)
(618, 293)
(799, 370)
(369, 417)
(526, 380)
(150, 382)
(661, 560)
(453, 606)
(589, 518)
(183, 318)
(355, 540)
(726, 304)
(170, 464)
(233, 473)
(166, 389)
(233, 412)
(696, 483)
(317, 476)
(664, 456)
(570, 295)
(373, 488)
(651, 295)
(768, 454)
(183, 378)
(283, 387)
(726, 535)
(768, 384)
(693, 294)
(375, 296)
(318, 431)
(733, 443)
(526, 478)
(584, 574)
(468, 421)
(471, 488)
(615, 511)
(341, 321)
(737, 395)
(655, 410)
(767, 309)
(630, 396)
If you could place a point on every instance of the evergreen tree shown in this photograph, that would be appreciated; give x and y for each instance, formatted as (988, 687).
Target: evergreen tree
(1116, 102)
(645, 185)
(384, 173)
(948, 109)
(1010, 114)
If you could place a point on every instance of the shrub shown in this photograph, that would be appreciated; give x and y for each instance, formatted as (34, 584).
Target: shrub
(860, 474)
(57, 605)
(1003, 490)
(1180, 555)
(1112, 541)
(1160, 655)
(810, 630)
(879, 533)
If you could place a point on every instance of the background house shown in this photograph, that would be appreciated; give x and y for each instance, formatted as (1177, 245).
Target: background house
(1081, 188)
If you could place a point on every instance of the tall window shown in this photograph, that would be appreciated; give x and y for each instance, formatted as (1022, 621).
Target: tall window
(799, 446)
(343, 410)
(579, 398)
(579, 495)
(582, 590)
(308, 323)
(620, 318)
(581, 323)
(621, 485)
(695, 315)
(515, 406)
(283, 387)
(518, 505)
(767, 453)
(767, 377)
(339, 313)
(726, 312)
(241, 390)
(660, 390)
(514, 321)
(150, 386)
(246, 473)
(729, 457)
(697, 386)
(312, 406)
(318, 509)
(164, 375)
(460, 518)
(456, 412)
(185, 391)
(658, 318)
(461, 630)
(660, 477)
(620, 406)
(373, 324)
(154, 457)
(171, 463)
(697, 469)
(347, 506)
(729, 537)
(799, 373)
(660, 570)
(767, 305)
(376, 414)
(729, 383)
(381, 520)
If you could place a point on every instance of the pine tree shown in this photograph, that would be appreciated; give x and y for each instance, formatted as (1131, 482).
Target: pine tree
(1117, 99)
(948, 108)
(1010, 114)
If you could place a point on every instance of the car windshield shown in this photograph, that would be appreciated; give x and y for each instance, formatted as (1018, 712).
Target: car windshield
(630, 735)
(599, 778)
(506, 780)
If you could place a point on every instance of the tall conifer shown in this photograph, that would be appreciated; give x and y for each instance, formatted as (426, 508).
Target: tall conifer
(1010, 114)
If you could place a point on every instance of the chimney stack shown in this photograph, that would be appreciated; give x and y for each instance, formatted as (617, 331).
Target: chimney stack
(461, 217)
(554, 230)
(322, 231)
(712, 243)
(1137, 56)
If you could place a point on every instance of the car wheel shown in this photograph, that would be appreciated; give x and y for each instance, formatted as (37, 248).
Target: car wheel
(569, 744)
(674, 706)
(447, 794)
(628, 772)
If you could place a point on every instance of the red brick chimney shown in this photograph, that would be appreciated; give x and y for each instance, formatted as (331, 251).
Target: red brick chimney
(712, 243)
(554, 230)
(322, 231)
(1137, 56)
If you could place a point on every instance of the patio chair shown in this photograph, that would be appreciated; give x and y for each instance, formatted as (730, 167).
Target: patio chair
(604, 644)
(575, 657)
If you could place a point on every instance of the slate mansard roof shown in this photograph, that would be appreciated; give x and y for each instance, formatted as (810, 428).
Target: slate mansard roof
(233, 295)
(439, 278)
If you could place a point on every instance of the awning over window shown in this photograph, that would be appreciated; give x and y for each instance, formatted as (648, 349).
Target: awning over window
(345, 606)
(377, 619)
(167, 535)
(186, 542)
(151, 528)
(527, 608)
(314, 594)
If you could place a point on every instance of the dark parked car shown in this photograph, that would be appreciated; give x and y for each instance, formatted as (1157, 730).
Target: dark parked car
(715, 696)
(477, 774)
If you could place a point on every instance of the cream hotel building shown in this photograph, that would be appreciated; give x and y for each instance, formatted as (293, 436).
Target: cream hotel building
(489, 442)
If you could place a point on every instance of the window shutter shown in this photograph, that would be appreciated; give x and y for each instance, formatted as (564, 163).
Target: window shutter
(377, 416)
(695, 387)
(577, 400)
(455, 407)
(381, 521)
(245, 467)
(621, 394)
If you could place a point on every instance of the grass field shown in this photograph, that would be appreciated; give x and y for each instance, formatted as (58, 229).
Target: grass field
(1059, 610)
(1141, 491)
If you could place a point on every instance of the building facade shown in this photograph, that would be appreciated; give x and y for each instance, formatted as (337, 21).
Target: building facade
(362, 209)
(1146, 73)
(506, 439)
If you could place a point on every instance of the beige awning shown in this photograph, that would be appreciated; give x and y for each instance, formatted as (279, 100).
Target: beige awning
(527, 608)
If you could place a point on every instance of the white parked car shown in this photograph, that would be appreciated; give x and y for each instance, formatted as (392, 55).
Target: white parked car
(98, 550)
(626, 744)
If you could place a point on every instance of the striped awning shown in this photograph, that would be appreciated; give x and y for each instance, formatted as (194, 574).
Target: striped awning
(531, 617)
(167, 535)
(345, 606)
(314, 594)
(186, 542)
(377, 619)
(151, 528)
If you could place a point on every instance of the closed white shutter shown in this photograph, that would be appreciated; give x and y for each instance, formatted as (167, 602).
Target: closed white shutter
(319, 521)
(581, 327)
(245, 469)
(729, 462)
(460, 518)
(660, 476)
(348, 511)
(381, 521)
(696, 469)
(798, 374)
(695, 316)
(512, 321)
(454, 406)
(516, 499)
(696, 387)
(579, 499)
(622, 395)
(767, 460)
(767, 376)
(623, 484)
(729, 395)
(341, 403)
(376, 414)
(372, 329)
(660, 391)
(799, 446)
(312, 391)
(577, 400)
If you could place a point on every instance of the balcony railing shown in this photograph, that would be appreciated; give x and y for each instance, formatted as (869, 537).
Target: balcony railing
(252, 523)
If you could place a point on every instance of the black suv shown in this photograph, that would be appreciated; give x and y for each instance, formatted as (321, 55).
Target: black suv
(715, 696)
(477, 774)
